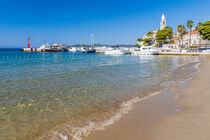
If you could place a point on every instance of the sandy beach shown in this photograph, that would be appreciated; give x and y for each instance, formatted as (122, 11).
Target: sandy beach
(175, 114)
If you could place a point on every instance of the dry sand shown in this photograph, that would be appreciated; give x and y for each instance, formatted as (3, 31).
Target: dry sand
(160, 118)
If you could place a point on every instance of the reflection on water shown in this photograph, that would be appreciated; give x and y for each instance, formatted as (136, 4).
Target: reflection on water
(40, 91)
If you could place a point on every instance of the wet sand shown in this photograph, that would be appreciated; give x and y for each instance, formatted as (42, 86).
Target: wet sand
(183, 114)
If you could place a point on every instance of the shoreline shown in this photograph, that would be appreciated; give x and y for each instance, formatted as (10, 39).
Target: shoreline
(168, 115)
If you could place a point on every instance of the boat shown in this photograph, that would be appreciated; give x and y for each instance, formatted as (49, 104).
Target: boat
(54, 50)
(45, 46)
(116, 51)
(72, 49)
(89, 51)
(57, 48)
(145, 51)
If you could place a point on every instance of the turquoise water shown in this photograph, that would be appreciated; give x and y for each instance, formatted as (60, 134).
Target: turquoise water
(40, 92)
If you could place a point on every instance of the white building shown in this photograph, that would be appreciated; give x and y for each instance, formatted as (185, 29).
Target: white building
(196, 40)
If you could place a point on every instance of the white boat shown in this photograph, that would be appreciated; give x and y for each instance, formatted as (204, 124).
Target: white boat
(112, 51)
(72, 49)
(145, 51)
(45, 46)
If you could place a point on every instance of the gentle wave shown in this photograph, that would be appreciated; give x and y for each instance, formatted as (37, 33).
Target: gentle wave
(78, 133)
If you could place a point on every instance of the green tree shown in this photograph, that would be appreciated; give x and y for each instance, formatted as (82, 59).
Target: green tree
(172, 41)
(140, 40)
(181, 30)
(147, 41)
(163, 35)
(205, 31)
(138, 45)
(149, 34)
(199, 26)
(190, 25)
(168, 27)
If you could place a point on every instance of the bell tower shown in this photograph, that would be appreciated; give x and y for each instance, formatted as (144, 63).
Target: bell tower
(163, 22)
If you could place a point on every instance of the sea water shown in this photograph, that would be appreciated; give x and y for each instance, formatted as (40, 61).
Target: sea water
(68, 95)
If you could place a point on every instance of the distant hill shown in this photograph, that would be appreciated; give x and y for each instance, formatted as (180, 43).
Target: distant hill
(9, 47)
(100, 45)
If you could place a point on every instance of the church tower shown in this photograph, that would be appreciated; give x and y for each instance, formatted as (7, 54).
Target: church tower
(163, 22)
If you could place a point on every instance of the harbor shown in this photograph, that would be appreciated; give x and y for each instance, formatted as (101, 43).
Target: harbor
(143, 50)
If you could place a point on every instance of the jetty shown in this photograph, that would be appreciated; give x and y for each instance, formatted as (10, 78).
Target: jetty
(32, 50)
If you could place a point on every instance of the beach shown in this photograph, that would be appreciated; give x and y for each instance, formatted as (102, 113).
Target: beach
(176, 113)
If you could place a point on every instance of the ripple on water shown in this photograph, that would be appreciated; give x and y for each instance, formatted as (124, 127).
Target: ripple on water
(70, 95)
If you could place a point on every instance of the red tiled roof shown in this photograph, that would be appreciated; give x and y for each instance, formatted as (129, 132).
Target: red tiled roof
(195, 32)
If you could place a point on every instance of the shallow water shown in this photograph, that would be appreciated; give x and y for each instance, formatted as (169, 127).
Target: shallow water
(41, 92)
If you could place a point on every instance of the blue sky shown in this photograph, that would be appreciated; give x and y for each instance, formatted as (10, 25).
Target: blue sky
(72, 21)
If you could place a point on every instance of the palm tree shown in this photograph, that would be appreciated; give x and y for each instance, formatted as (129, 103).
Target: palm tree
(199, 25)
(190, 25)
(181, 30)
(179, 27)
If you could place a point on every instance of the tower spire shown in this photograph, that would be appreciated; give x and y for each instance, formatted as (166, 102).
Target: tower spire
(163, 22)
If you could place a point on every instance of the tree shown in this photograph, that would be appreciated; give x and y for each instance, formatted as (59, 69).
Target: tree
(199, 26)
(147, 41)
(181, 30)
(172, 41)
(140, 40)
(190, 25)
(205, 31)
(168, 27)
(149, 34)
(163, 35)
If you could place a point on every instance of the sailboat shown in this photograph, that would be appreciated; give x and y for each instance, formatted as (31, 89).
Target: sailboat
(90, 50)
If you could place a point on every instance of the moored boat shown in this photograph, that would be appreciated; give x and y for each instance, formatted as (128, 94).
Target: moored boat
(57, 48)
(113, 51)
(145, 51)
(72, 49)
(89, 51)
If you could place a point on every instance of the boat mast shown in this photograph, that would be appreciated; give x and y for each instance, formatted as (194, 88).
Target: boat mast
(81, 44)
(92, 41)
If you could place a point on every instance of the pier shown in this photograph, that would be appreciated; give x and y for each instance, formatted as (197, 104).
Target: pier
(32, 50)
